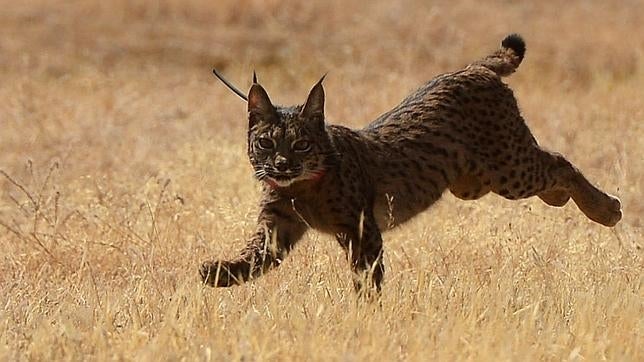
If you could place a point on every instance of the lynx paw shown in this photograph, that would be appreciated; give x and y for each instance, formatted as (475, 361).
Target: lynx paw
(614, 213)
(608, 212)
(216, 274)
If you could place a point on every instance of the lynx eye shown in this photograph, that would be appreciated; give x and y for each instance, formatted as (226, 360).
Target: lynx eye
(266, 143)
(301, 146)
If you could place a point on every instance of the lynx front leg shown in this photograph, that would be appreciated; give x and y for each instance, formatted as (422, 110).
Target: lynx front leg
(363, 245)
(266, 249)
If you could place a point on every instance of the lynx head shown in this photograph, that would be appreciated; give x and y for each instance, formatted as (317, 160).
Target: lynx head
(287, 144)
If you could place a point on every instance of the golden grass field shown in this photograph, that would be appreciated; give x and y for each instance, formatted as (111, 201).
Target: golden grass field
(123, 166)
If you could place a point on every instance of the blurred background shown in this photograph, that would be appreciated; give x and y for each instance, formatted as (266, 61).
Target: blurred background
(120, 87)
(123, 165)
(113, 94)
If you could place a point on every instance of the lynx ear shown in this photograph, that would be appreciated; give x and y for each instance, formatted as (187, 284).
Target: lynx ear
(314, 106)
(259, 105)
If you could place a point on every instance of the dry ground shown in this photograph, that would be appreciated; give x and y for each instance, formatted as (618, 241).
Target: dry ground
(123, 166)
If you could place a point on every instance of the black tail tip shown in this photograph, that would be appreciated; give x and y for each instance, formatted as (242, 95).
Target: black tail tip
(516, 43)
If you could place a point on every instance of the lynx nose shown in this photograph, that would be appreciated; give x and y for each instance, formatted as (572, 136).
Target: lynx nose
(281, 163)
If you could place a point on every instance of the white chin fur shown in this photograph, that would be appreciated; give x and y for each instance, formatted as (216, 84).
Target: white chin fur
(284, 183)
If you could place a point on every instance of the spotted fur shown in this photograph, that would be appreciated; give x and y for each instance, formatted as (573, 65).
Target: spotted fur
(461, 131)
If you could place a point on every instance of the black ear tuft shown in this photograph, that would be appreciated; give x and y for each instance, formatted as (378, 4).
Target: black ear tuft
(230, 85)
(254, 77)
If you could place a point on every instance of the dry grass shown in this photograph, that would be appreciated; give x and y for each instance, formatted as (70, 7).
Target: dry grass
(124, 166)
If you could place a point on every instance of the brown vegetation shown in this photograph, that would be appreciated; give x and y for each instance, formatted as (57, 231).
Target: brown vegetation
(123, 166)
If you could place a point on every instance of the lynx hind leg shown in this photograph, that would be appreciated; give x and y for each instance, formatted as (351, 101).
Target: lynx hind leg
(555, 180)
(470, 186)
(554, 197)
(593, 202)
